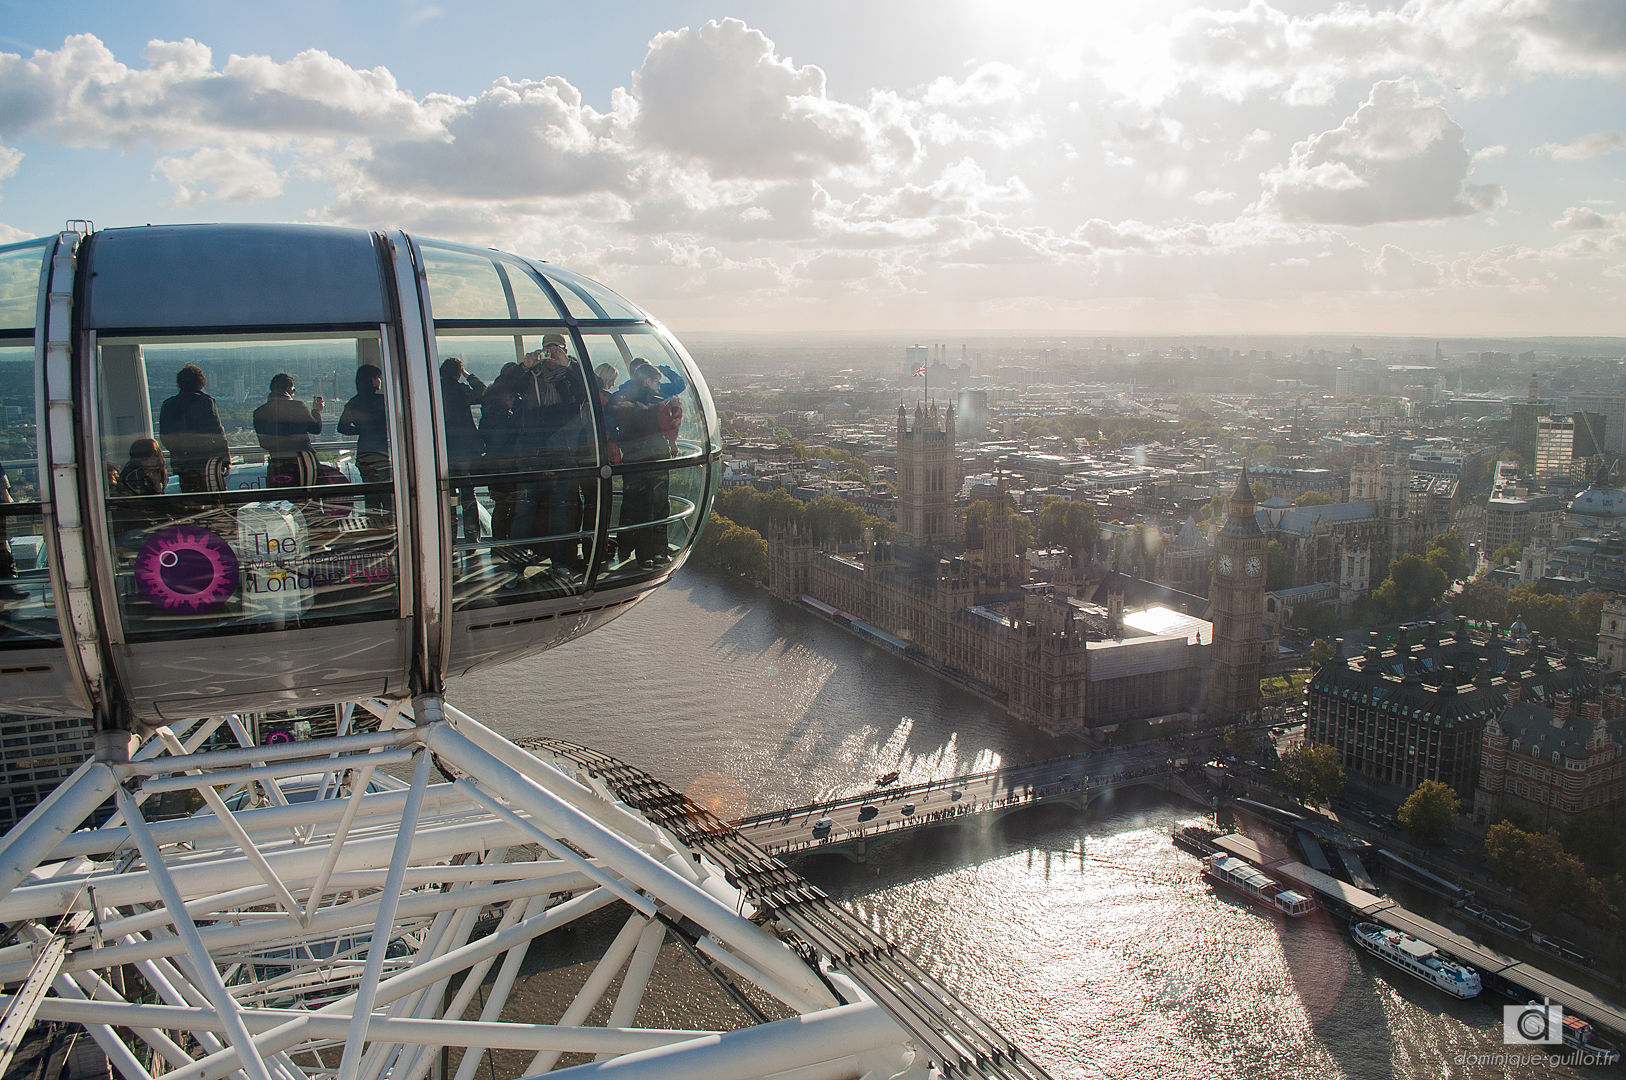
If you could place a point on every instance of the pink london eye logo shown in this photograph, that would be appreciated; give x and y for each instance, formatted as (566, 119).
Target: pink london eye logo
(186, 569)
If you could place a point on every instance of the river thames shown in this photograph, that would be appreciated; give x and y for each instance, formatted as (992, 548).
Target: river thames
(1089, 940)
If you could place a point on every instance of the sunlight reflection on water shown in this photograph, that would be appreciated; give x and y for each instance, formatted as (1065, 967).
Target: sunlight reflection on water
(1089, 941)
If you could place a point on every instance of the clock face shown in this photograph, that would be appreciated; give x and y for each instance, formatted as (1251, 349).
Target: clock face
(1225, 564)
(1252, 566)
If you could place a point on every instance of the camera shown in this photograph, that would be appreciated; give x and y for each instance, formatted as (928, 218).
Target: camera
(1533, 1024)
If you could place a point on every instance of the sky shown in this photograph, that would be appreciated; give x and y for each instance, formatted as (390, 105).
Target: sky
(1436, 167)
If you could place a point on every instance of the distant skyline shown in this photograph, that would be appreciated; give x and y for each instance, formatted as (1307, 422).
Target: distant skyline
(1435, 168)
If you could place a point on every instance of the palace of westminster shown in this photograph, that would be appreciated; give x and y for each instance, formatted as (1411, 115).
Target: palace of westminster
(1084, 650)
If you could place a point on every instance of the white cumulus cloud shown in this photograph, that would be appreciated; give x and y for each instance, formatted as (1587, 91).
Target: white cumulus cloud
(1594, 145)
(1399, 157)
(723, 96)
(227, 174)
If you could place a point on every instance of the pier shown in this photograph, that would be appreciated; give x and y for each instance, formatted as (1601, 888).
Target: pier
(855, 825)
(1513, 978)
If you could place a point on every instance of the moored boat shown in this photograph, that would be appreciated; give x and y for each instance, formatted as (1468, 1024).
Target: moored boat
(1242, 876)
(1579, 1035)
(1416, 958)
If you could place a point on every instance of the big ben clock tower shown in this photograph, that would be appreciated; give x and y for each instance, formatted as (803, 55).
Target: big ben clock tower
(1236, 604)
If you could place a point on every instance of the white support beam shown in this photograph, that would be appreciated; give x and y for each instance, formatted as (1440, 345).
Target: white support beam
(630, 862)
(596, 986)
(368, 990)
(329, 921)
(287, 1035)
(558, 850)
(352, 805)
(204, 974)
(413, 1032)
(20, 1009)
(752, 1053)
(35, 838)
(234, 828)
(639, 969)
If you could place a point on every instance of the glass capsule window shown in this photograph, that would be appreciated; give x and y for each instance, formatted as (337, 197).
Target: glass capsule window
(27, 608)
(655, 431)
(474, 285)
(576, 436)
(249, 483)
(523, 454)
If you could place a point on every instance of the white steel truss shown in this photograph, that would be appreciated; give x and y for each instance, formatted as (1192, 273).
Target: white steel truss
(388, 902)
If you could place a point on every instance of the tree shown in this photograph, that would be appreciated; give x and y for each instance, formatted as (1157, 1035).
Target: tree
(1314, 498)
(1313, 773)
(732, 548)
(1546, 614)
(1481, 601)
(1507, 554)
(1411, 588)
(1598, 839)
(1429, 812)
(832, 519)
(1535, 863)
(1446, 554)
(976, 519)
(1588, 619)
(1070, 524)
(1320, 652)
(1261, 491)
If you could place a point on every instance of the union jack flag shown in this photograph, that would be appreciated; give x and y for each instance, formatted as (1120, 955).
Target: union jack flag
(921, 371)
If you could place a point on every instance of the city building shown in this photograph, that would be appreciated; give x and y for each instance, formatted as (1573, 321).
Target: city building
(1523, 519)
(1612, 635)
(1399, 715)
(1526, 417)
(1612, 407)
(36, 754)
(1546, 763)
(1555, 448)
(927, 477)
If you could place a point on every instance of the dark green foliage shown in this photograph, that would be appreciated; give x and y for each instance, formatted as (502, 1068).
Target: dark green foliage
(1429, 812)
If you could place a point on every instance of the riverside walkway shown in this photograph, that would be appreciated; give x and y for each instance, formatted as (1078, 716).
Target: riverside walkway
(854, 825)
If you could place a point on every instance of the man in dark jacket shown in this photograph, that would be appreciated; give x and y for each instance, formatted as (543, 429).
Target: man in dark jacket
(555, 434)
(645, 419)
(189, 427)
(364, 417)
(499, 431)
(460, 391)
(285, 426)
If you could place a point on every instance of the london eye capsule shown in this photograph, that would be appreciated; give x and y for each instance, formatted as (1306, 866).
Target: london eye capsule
(253, 466)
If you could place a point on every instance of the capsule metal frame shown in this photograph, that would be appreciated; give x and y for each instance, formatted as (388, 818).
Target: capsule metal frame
(103, 297)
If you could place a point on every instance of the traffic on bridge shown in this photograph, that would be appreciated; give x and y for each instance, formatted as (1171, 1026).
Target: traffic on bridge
(887, 809)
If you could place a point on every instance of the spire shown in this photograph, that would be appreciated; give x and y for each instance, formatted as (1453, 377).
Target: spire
(1243, 492)
(1241, 520)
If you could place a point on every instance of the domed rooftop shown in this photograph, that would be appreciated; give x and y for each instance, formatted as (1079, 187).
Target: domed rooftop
(1599, 501)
